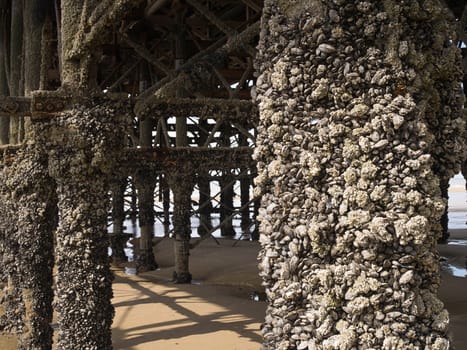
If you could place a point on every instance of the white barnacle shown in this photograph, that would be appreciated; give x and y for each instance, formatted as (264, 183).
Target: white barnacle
(403, 48)
(321, 90)
(368, 170)
(397, 120)
(359, 110)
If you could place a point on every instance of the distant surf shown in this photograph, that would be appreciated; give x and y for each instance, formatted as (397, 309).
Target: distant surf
(457, 203)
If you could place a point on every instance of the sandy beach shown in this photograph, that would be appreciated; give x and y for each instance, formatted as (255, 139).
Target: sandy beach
(217, 310)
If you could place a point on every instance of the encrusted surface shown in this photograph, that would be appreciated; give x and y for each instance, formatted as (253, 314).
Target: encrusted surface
(28, 220)
(181, 180)
(84, 146)
(349, 165)
(241, 110)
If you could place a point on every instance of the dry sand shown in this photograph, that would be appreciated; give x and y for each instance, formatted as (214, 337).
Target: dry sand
(217, 312)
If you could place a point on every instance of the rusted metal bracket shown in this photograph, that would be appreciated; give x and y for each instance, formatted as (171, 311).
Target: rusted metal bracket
(49, 105)
(14, 106)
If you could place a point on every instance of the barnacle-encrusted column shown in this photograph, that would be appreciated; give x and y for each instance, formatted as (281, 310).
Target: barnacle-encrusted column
(12, 308)
(29, 219)
(346, 168)
(204, 186)
(84, 144)
(226, 204)
(205, 205)
(145, 182)
(181, 181)
(443, 112)
(118, 238)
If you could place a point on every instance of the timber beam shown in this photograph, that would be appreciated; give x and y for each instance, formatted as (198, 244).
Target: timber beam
(212, 56)
(201, 158)
(212, 17)
(101, 21)
(203, 108)
(47, 104)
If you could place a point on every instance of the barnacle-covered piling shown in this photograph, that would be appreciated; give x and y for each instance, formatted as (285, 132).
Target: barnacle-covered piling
(28, 221)
(118, 238)
(84, 144)
(145, 182)
(347, 156)
(182, 181)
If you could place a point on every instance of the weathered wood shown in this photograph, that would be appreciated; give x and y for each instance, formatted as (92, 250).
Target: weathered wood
(4, 52)
(214, 55)
(147, 55)
(200, 157)
(233, 213)
(242, 110)
(16, 52)
(211, 17)
(102, 19)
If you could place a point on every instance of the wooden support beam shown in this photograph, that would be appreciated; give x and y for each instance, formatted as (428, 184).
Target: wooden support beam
(204, 108)
(211, 17)
(203, 158)
(156, 5)
(252, 4)
(45, 104)
(234, 212)
(146, 54)
(104, 16)
(213, 55)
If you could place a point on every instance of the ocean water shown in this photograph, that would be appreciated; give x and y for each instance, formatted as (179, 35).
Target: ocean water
(457, 214)
(457, 203)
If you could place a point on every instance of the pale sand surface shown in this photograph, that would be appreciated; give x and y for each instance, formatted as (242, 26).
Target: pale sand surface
(217, 312)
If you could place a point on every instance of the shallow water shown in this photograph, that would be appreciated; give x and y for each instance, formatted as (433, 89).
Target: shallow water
(457, 271)
(454, 270)
(461, 242)
(457, 203)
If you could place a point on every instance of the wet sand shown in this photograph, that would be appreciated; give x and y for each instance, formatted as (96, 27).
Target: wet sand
(217, 312)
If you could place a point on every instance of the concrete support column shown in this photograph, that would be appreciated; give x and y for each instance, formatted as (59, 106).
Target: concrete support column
(182, 183)
(245, 184)
(346, 161)
(444, 221)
